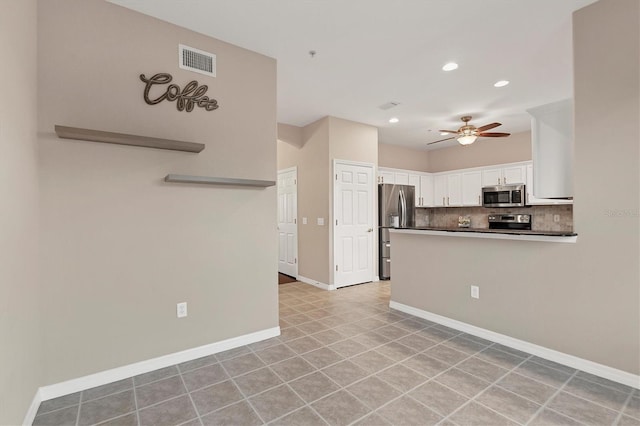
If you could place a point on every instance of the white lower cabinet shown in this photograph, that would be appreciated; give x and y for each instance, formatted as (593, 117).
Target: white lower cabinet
(472, 188)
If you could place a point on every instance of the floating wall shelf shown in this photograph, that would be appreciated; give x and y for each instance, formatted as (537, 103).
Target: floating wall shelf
(124, 139)
(219, 181)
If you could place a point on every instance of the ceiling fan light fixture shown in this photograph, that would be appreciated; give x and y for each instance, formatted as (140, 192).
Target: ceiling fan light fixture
(501, 83)
(467, 139)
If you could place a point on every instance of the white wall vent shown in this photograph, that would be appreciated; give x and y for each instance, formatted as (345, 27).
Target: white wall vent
(196, 60)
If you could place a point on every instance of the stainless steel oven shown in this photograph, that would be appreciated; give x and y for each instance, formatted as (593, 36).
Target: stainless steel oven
(503, 196)
(510, 221)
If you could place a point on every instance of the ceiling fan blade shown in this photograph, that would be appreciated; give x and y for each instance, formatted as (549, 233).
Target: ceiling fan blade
(441, 140)
(488, 127)
(494, 135)
(448, 131)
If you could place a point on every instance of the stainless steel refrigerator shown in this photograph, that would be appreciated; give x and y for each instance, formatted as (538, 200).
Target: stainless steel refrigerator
(396, 209)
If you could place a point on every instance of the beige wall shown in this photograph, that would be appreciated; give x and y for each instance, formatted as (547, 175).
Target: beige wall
(21, 354)
(322, 141)
(312, 161)
(119, 246)
(400, 157)
(290, 134)
(484, 152)
(353, 141)
(582, 299)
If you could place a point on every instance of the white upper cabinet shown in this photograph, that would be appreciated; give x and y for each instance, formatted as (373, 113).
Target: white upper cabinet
(440, 190)
(414, 180)
(426, 190)
(402, 178)
(472, 188)
(552, 149)
(386, 176)
(464, 187)
(491, 176)
(423, 183)
(454, 189)
(531, 199)
(514, 174)
(507, 175)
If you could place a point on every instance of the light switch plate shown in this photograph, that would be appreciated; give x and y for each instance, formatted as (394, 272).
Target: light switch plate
(321, 221)
(475, 292)
(181, 309)
(304, 220)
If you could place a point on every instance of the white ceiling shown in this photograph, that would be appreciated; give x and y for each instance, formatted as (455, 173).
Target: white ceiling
(370, 52)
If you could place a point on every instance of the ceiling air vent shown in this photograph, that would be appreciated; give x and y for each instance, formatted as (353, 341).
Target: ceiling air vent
(196, 60)
(389, 105)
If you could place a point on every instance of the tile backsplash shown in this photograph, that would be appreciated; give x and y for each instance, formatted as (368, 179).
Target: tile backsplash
(541, 216)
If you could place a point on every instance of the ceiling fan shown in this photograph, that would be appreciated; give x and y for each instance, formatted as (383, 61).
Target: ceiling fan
(467, 134)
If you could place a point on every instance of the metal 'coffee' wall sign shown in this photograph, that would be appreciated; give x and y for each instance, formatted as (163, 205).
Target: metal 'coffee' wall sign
(193, 94)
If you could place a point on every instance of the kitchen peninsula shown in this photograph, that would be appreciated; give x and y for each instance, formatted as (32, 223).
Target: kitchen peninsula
(520, 303)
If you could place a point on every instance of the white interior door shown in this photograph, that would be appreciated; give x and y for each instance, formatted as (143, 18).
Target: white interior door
(288, 222)
(353, 206)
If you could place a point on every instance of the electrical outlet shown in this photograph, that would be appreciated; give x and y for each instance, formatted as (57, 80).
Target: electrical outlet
(475, 292)
(181, 309)
(556, 218)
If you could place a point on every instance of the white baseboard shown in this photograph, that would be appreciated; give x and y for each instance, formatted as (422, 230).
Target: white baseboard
(316, 283)
(119, 373)
(595, 368)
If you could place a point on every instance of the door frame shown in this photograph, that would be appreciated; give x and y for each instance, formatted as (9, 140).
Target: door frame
(287, 170)
(332, 215)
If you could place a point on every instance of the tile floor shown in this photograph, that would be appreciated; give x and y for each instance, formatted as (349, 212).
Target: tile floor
(345, 358)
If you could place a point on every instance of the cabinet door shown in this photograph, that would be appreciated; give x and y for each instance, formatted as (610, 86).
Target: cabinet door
(454, 189)
(514, 174)
(491, 177)
(401, 178)
(471, 188)
(386, 176)
(426, 190)
(439, 190)
(531, 199)
(414, 180)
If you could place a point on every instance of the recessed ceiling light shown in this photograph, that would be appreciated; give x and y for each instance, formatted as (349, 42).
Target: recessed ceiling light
(501, 83)
(450, 66)
(393, 120)
(444, 133)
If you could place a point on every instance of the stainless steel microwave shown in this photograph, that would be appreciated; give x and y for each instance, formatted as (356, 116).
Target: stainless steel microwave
(504, 196)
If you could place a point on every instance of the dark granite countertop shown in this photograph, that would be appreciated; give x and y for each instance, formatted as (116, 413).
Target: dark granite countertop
(498, 231)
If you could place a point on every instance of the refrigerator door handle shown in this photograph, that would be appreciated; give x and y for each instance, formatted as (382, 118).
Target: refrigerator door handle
(402, 209)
